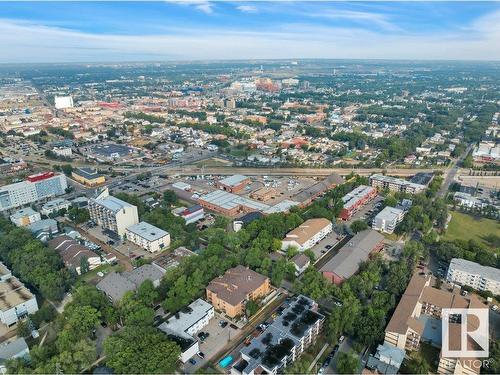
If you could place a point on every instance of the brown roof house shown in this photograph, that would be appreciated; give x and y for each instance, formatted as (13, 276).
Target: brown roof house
(230, 293)
(73, 253)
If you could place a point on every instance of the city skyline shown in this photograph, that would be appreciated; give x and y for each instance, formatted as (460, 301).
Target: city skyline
(220, 30)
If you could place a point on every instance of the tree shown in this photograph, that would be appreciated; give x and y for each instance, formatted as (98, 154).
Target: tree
(67, 169)
(78, 215)
(84, 265)
(416, 365)
(170, 198)
(141, 350)
(252, 307)
(347, 363)
(358, 226)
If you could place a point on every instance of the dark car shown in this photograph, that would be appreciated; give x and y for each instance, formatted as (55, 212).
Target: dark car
(201, 355)
(192, 361)
(328, 247)
(223, 324)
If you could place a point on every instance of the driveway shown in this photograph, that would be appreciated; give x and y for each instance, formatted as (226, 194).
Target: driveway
(345, 347)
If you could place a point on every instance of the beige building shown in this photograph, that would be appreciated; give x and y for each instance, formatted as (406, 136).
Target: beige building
(230, 293)
(307, 234)
(419, 313)
(148, 237)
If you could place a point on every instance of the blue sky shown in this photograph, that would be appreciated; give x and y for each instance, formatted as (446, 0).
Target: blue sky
(204, 29)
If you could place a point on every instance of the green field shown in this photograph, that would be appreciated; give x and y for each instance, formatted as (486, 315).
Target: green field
(467, 227)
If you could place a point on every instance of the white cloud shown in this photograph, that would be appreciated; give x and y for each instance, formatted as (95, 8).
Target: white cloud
(31, 42)
(202, 5)
(377, 19)
(247, 8)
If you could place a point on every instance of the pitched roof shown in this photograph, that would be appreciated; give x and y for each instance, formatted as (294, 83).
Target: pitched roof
(70, 250)
(234, 286)
(307, 230)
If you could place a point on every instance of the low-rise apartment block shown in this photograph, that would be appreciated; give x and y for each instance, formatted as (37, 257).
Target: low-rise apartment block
(467, 200)
(474, 275)
(395, 184)
(16, 301)
(230, 292)
(35, 188)
(54, 206)
(25, 217)
(73, 253)
(183, 326)
(148, 237)
(283, 341)
(355, 200)
(387, 219)
(112, 213)
(417, 319)
(306, 235)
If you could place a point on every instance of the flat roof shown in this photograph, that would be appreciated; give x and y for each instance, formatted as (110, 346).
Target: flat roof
(233, 180)
(396, 180)
(13, 293)
(307, 230)
(23, 212)
(475, 268)
(230, 201)
(359, 193)
(112, 203)
(147, 231)
(184, 320)
(389, 213)
(88, 173)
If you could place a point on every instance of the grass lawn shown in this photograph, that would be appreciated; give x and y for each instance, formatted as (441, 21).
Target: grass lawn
(91, 275)
(467, 227)
(431, 356)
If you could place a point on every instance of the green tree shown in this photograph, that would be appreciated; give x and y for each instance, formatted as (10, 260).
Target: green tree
(416, 365)
(358, 226)
(347, 363)
(141, 350)
(251, 307)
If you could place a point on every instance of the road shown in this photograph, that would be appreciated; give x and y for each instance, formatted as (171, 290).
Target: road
(451, 172)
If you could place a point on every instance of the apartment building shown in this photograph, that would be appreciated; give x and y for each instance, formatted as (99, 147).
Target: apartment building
(233, 184)
(230, 292)
(73, 253)
(16, 301)
(306, 235)
(294, 330)
(387, 219)
(148, 237)
(183, 326)
(25, 217)
(190, 214)
(417, 319)
(55, 206)
(395, 184)
(112, 213)
(350, 256)
(474, 275)
(355, 200)
(35, 188)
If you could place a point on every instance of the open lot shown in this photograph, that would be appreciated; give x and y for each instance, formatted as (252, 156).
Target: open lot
(217, 339)
(467, 227)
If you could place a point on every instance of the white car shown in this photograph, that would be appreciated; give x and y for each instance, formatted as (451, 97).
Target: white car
(494, 307)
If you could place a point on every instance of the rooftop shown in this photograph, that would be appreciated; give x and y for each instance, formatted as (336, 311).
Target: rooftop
(475, 268)
(113, 204)
(234, 286)
(389, 214)
(186, 318)
(13, 293)
(230, 201)
(172, 259)
(307, 230)
(346, 262)
(233, 180)
(352, 198)
(88, 173)
(28, 211)
(147, 231)
(395, 180)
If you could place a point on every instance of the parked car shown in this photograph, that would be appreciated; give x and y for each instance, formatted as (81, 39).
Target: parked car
(341, 339)
(192, 361)
(201, 355)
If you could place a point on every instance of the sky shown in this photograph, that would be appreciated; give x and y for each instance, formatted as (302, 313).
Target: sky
(112, 31)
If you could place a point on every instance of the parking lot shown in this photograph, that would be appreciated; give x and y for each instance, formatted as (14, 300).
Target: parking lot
(368, 212)
(326, 244)
(218, 338)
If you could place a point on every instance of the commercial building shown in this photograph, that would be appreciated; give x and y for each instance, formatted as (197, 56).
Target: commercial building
(35, 188)
(88, 177)
(24, 217)
(233, 184)
(467, 200)
(474, 275)
(148, 237)
(16, 301)
(418, 318)
(230, 292)
(306, 235)
(355, 200)
(183, 326)
(229, 204)
(55, 206)
(63, 102)
(307, 196)
(264, 194)
(74, 254)
(486, 153)
(395, 184)
(115, 284)
(112, 213)
(350, 256)
(294, 330)
(387, 219)
(191, 214)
